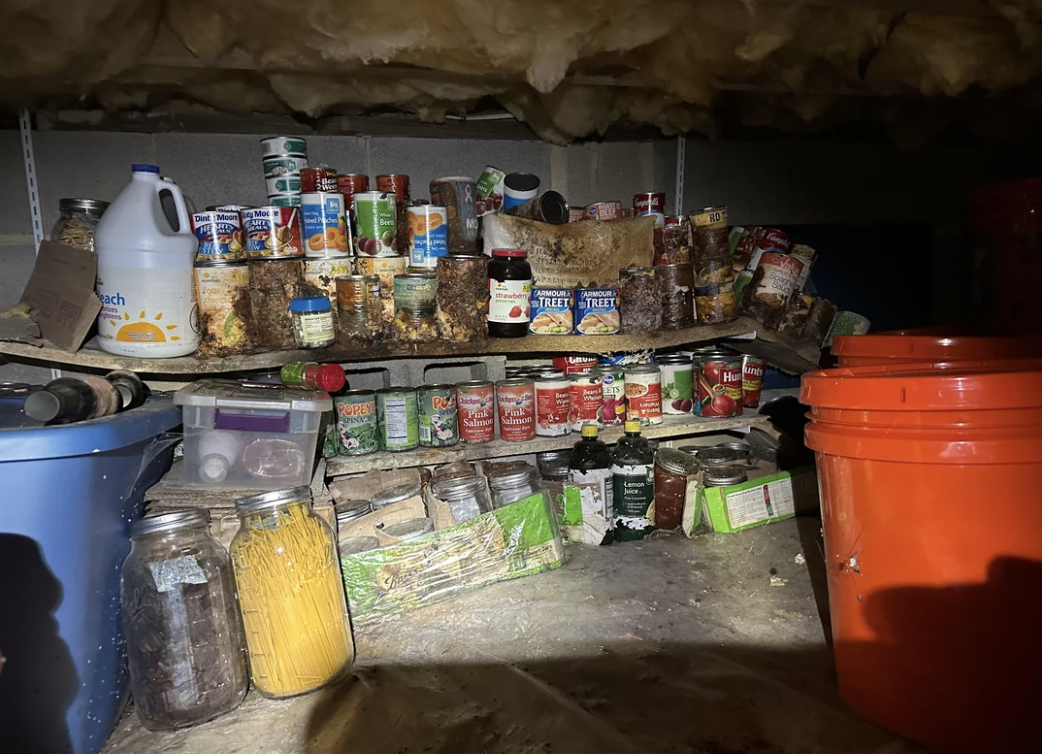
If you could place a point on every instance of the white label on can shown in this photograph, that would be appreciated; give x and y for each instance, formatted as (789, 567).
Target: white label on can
(509, 301)
(147, 307)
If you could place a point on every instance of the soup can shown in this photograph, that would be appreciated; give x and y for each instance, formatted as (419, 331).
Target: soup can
(644, 394)
(752, 380)
(552, 311)
(325, 228)
(515, 400)
(553, 402)
(222, 295)
(651, 203)
(397, 417)
(476, 407)
(280, 165)
(597, 311)
(275, 146)
(376, 219)
(220, 236)
(587, 401)
(439, 419)
(720, 385)
(272, 232)
(356, 422)
(677, 384)
(385, 268)
(428, 235)
(613, 393)
(318, 179)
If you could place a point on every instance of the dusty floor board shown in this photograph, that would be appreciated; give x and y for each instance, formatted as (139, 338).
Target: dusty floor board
(665, 645)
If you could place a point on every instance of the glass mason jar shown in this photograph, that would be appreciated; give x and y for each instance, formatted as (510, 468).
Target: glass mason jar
(466, 497)
(512, 483)
(184, 634)
(77, 221)
(291, 593)
(672, 470)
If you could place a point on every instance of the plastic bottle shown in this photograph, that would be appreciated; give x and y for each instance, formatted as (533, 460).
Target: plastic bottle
(633, 484)
(591, 464)
(309, 375)
(146, 250)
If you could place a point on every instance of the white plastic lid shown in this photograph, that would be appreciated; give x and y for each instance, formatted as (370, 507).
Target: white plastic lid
(214, 393)
(214, 468)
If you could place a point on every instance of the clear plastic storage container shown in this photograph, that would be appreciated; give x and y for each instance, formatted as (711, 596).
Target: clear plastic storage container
(239, 436)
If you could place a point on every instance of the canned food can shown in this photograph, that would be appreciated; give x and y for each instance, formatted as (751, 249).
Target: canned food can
(752, 380)
(644, 394)
(516, 401)
(720, 385)
(274, 146)
(575, 364)
(283, 184)
(613, 393)
(280, 165)
(377, 222)
(715, 303)
(356, 422)
(386, 269)
(604, 210)
(772, 286)
(677, 384)
(489, 191)
(651, 203)
(219, 235)
(456, 194)
(318, 179)
(807, 256)
(553, 402)
(325, 227)
(577, 214)
(587, 402)
(350, 184)
(416, 294)
(710, 217)
(769, 240)
(396, 411)
(439, 420)
(428, 235)
(394, 183)
(359, 307)
(597, 311)
(284, 200)
(476, 407)
(228, 207)
(552, 311)
(322, 273)
(272, 232)
(222, 295)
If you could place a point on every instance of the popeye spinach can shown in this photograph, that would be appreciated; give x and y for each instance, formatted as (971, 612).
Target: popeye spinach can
(439, 420)
(397, 418)
(356, 422)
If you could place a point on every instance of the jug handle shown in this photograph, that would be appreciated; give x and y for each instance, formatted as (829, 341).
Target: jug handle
(179, 203)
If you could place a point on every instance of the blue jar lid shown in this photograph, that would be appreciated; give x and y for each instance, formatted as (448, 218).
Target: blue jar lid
(310, 304)
(140, 167)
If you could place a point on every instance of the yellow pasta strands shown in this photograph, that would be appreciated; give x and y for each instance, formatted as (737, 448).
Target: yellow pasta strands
(292, 600)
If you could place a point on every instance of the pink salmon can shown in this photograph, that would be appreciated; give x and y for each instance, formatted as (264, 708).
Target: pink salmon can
(516, 401)
(476, 408)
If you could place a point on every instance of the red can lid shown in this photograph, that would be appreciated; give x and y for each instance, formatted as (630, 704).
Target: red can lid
(509, 253)
(330, 378)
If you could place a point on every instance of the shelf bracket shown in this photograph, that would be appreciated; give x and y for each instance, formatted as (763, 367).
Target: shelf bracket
(25, 130)
(678, 190)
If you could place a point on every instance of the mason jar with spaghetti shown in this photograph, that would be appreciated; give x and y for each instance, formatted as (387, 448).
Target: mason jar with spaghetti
(644, 393)
(291, 594)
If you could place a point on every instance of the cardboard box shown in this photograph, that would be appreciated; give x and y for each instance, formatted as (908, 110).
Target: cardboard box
(60, 293)
(760, 501)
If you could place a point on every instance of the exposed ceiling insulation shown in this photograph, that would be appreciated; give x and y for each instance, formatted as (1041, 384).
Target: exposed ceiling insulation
(567, 69)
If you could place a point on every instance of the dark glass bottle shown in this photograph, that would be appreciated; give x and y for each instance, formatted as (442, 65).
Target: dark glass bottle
(509, 288)
(63, 401)
(591, 464)
(633, 483)
(132, 391)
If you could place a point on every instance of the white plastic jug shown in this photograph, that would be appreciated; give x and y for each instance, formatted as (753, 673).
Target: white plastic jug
(145, 277)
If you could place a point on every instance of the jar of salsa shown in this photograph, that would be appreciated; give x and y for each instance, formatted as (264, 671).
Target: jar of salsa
(510, 288)
(672, 470)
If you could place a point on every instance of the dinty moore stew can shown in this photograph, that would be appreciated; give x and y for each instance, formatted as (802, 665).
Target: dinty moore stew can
(398, 419)
(476, 408)
(356, 422)
(438, 417)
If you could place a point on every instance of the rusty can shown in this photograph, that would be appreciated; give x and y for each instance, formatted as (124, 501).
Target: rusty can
(587, 400)
(772, 286)
(476, 407)
(719, 384)
(752, 380)
(222, 294)
(394, 182)
(604, 210)
(318, 179)
(322, 273)
(350, 184)
(457, 195)
(385, 268)
(359, 308)
(515, 400)
(272, 232)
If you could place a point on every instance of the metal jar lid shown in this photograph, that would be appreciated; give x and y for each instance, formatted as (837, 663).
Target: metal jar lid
(355, 545)
(169, 522)
(718, 456)
(723, 476)
(738, 446)
(94, 206)
(410, 529)
(458, 488)
(512, 476)
(349, 510)
(395, 494)
(676, 461)
(273, 499)
(606, 369)
(691, 450)
(556, 472)
(550, 456)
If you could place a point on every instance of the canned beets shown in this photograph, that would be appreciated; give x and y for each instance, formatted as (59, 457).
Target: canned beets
(516, 401)
(720, 385)
(476, 407)
(613, 393)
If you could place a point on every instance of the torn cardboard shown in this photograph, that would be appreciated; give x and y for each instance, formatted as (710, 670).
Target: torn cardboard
(60, 293)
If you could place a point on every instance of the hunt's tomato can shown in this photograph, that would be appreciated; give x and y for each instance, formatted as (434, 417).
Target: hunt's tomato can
(553, 401)
(516, 401)
(476, 410)
(720, 385)
(587, 403)
(752, 380)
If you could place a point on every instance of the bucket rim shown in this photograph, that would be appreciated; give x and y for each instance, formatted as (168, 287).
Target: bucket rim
(924, 345)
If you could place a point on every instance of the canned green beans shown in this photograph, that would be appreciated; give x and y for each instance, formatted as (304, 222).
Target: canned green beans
(356, 422)
(438, 418)
(397, 415)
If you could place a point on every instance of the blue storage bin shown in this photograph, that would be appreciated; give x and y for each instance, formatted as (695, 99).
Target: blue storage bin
(68, 494)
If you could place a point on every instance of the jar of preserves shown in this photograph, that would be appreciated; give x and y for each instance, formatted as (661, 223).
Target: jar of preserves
(76, 223)
(510, 289)
(515, 482)
(184, 634)
(291, 593)
(672, 471)
(466, 496)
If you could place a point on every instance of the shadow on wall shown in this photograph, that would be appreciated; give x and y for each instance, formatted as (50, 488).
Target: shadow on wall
(39, 681)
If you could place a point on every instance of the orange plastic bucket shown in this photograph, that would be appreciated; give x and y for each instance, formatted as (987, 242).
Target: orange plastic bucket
(912, 346)
(931, 494)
